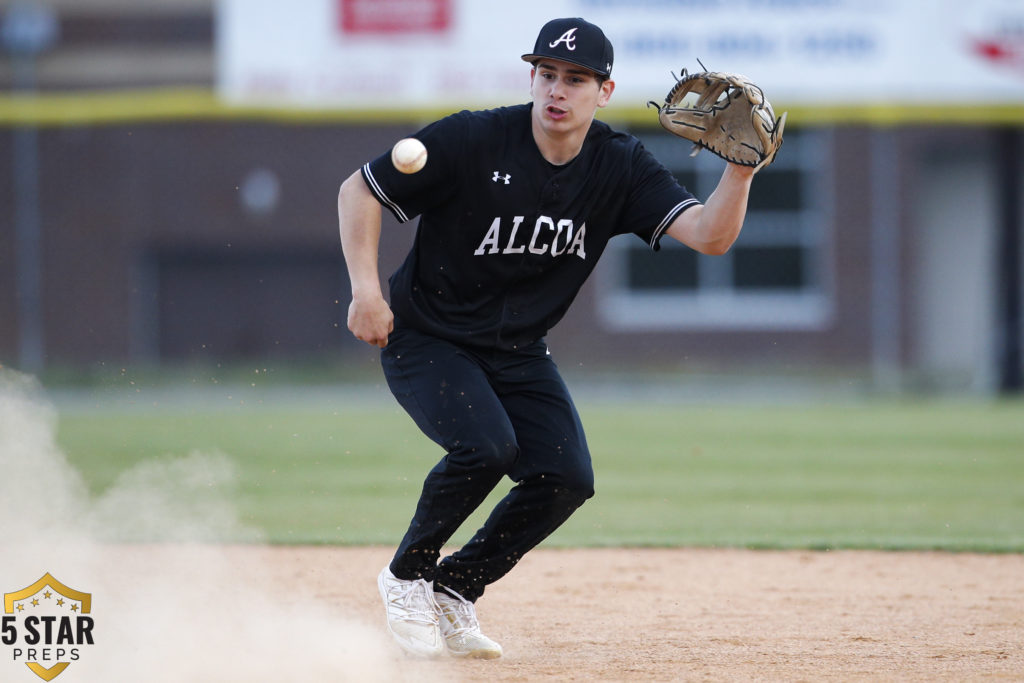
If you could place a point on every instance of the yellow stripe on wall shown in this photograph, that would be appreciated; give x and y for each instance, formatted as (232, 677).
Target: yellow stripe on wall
(188, 104)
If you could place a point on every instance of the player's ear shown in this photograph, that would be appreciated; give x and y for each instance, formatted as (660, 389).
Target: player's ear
(607, 88)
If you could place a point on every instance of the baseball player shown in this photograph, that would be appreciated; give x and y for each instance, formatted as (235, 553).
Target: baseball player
(515, 206)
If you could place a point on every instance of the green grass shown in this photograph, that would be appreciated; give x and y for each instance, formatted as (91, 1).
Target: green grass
(896, 475)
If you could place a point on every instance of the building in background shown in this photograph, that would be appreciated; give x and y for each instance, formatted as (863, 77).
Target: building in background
(189, 156)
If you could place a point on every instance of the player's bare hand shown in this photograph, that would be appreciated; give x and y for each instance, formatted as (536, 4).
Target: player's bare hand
(371, 320)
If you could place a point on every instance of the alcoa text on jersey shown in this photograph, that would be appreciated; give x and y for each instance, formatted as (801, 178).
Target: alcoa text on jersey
(505, 238)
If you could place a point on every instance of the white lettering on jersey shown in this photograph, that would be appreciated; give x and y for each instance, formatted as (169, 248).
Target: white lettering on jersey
(578, 247)
(569, 38)
(491, 238)
(564, 224)
(542, 220)
(516, 222)
(546, 234)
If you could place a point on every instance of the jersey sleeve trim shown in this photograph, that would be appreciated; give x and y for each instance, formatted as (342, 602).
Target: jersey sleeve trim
(667, 220)
(382, 196)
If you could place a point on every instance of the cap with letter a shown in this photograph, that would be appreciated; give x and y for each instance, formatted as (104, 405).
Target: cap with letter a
(576, 41)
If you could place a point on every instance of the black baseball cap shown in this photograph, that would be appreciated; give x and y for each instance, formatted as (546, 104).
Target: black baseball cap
(574, 40)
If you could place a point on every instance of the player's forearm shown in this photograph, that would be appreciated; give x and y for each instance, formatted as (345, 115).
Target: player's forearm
(359, 217)
(721, 217)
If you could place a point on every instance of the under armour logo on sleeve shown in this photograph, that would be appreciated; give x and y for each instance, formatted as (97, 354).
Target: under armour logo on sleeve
(497, 176)
(569, 38)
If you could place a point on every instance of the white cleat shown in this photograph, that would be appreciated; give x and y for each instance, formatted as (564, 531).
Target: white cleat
(461, 629)
(411, 614)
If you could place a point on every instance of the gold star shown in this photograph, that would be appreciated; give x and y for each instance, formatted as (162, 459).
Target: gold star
(35, 602)
(21, 607)
(47, 595)
(60, 601)
(74, 608)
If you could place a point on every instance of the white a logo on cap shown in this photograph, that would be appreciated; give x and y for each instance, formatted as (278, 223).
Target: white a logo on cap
(569, 38)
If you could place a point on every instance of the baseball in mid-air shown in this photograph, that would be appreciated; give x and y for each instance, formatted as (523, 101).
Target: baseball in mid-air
(409, 155)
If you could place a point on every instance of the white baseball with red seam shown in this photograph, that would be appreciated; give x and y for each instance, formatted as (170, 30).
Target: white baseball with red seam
(409, 155)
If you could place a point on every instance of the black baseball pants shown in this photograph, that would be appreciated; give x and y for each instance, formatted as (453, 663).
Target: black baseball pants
(495, 413)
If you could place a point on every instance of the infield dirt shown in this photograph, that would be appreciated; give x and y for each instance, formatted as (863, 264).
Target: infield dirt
(708, 615)
(167, 613)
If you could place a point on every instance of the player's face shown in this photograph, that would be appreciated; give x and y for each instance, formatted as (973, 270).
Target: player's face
(566, 96)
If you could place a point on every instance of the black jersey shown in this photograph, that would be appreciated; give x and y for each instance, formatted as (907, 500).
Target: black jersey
(506, 239)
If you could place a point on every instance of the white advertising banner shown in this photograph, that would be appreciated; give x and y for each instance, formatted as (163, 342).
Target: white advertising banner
(380, 55)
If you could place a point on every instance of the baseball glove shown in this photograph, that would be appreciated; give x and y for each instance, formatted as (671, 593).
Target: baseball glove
(724, 113)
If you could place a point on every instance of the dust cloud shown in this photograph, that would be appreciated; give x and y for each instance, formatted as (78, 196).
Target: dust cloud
(167, 601)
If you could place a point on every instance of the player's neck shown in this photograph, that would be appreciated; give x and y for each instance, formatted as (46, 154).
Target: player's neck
(556, 147)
